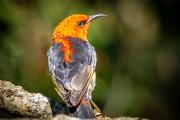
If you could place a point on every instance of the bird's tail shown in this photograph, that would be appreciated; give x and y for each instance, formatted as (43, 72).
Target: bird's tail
(83, 110)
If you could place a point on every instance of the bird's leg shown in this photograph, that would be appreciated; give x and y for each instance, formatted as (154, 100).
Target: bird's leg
(96, 111)
(95, 106)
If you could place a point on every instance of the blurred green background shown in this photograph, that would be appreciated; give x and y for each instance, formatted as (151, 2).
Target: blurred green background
(137, 45)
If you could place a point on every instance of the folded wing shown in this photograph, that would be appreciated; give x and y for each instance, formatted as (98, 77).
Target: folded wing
(73, 79)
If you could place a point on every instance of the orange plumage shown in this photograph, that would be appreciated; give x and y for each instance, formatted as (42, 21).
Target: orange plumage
(66, 48)
(69, 28)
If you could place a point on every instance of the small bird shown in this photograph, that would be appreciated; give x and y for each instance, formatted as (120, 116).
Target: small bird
(72, 62)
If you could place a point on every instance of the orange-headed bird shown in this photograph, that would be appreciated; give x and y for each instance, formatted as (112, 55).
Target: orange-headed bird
(72, 63)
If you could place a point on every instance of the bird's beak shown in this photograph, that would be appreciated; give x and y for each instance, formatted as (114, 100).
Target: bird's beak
(92, 17)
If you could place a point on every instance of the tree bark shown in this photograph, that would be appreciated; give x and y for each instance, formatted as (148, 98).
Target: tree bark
(15, 99)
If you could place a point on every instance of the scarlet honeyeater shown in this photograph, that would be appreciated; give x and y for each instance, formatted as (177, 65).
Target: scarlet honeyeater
(72, 63)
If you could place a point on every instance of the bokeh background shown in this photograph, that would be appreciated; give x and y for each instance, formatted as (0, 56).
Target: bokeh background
(138, 48)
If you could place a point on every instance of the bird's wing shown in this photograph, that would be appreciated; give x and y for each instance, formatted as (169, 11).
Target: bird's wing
(73, 79)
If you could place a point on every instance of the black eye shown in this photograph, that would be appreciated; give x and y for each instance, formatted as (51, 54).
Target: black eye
(80, 23)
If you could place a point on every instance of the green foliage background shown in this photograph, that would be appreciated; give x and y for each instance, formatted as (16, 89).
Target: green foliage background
(137, 47)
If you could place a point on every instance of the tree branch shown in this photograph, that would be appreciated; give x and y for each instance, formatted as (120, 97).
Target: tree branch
(15, 99)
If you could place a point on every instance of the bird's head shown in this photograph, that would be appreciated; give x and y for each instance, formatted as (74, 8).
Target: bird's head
(75, 26)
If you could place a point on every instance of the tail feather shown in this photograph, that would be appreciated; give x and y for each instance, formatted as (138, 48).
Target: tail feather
(83, 110)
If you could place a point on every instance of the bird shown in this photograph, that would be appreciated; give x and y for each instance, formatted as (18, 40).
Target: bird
(72, 63)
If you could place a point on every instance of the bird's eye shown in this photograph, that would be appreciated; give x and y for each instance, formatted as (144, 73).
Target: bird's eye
(80, 23)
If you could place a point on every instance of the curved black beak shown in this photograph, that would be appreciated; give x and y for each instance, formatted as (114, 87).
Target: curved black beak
(92, 17)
